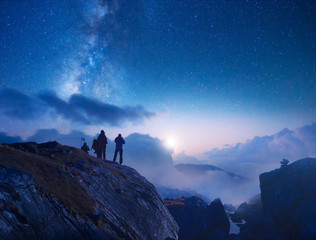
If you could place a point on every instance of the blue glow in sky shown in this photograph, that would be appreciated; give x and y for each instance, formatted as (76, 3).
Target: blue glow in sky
(204, 73)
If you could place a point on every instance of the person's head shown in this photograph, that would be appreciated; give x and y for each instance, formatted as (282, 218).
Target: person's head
(120, 135)
(102, 131)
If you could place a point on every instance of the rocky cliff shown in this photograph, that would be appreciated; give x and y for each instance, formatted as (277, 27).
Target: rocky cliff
(50, 191)
(198, 220)
(285, 209)
(288, 196)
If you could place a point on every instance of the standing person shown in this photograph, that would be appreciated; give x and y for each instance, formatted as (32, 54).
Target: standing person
(102, 142)
(119, 148)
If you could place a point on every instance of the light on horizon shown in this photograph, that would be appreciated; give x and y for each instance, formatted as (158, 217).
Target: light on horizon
(171, 142)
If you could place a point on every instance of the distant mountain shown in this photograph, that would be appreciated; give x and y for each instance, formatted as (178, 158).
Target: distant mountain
(166, 192)
(50, 191)
(203, 169)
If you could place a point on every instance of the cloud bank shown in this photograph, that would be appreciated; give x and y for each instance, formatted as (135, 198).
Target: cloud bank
(16, 104)
(150, 157)
(262, 154)
(80, 109)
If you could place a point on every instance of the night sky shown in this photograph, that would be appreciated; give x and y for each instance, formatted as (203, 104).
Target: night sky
(204, 73)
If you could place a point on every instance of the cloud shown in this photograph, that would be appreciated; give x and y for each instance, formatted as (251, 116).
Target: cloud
(149, 156)
(146, 151)
(262, 154)
(17, 105)
(249, 159)
(63, 108)
(183, 158)
(112, 114)
(152, 159)
(4, 138)
(89, 111)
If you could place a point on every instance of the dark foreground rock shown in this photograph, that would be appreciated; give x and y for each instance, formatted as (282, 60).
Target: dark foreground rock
(198, 220)
(289, 197)
(253, 223)
(50, 191)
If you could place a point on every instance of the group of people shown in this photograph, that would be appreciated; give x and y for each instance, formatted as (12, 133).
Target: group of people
(99, 146)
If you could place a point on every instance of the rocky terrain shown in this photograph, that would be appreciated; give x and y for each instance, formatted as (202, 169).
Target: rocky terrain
(288, 196)
(253, 223)
(198, 220)
(50, 191)
(285, 209)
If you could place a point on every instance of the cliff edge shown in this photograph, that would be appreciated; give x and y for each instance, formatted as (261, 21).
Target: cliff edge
(51, 191)
(288, 197)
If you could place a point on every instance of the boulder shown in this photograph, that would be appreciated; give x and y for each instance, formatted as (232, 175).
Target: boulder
(252, 222)
(197, 219)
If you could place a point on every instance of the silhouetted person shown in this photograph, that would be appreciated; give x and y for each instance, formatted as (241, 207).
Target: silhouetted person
(102, 142)
(95, 147)
(284, 163)
(85, 147)
(119, 148)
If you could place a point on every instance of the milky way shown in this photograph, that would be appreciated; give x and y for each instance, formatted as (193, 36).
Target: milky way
(222, 70)
(88, 69)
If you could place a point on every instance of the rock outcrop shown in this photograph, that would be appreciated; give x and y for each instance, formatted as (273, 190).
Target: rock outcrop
(288, 196)
(198, 220)
(50, 191)
(252, 221)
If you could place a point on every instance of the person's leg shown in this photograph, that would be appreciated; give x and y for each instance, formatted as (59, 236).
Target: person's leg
(115, 154)
(121, 156)
(103, 153)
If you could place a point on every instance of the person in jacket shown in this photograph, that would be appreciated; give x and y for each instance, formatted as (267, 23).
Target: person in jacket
(119, 141)
(102, 142)
(95, 147)
(85, 147)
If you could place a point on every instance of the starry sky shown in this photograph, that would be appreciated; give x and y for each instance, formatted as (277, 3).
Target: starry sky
(203, 73)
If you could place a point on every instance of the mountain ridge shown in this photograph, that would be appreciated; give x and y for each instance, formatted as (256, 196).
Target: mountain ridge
(195, 169)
